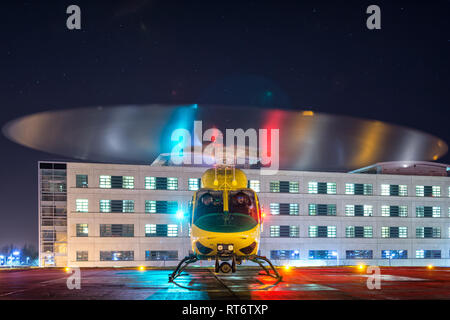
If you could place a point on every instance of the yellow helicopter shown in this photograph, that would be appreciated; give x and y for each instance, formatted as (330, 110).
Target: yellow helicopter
(226, 223)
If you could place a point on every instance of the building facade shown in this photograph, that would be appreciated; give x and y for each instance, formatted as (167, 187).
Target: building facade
(103, 215)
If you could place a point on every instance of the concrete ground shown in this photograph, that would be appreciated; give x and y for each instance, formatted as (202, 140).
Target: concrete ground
(201, 283)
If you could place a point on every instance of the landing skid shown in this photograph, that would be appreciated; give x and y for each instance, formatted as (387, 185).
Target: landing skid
(254, 258)
(182, 265)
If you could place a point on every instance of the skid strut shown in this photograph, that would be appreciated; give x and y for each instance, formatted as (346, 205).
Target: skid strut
(181, 266)
(259, 260)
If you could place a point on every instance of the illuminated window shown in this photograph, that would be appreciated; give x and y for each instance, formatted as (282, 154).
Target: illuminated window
(81, 205)
(82, 230)
(428, 191)
(394, 232)
(322, 231)
(285, 254)
(105, 182)
(274, 231)
(284, 231)
(322, 254)
(428, 232)
(394, 254)
(116, 206)
(255, 185)
(394, 211)
(394, 190)
(321, 209)
(164, 207)
(150, 206)
(128, 182)
(321, 187)
(358, 210)
(116, 255)
(128, 206)
(312, 187)
(193, 184)
(81, 180)
(428, 254)
(274, 186)
(293, 209)
(293, 187)
(294, 231)
(358, 232)
(172, 230)
(150, 183)
(359, 254)
(428, 212)
(82, 256)
(161, 230)
(105, 205)
(284, 209)
(284, 186)
(172, 183)
(358, 188)
(274, 208)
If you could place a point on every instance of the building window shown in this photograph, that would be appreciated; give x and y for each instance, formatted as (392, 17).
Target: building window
(428, 212)
(428, 232)
(394, 211)
(284, 186)
(275, 231)
(394, 190)
(284, 209)
(164, 207)
(160, 255)
(428, 254)
(82, 230)
(105, 182)
(428, 191)
(358, 232)
(81, 205)
(161, 230)
(82, 180)
(394, 254)
(194, 184)
(358, 210)
(322, 187)
(255, 185)
(161, 183)
(359, 189)
(322, 231)
(82, 256)
(358, 254)
(150, 183)
(274, 186)
(116, 206)
(105, 205)
(128, 182)
(322, 254)
(284, 254)
(322, 209)
(394, 232)
(116, 255)
(117, 230)
(284, 231)
(172, 183)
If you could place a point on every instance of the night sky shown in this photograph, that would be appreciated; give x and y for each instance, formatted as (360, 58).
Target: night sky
(289, 54)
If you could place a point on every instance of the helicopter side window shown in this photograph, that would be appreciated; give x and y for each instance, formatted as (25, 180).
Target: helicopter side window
(242, 202)
(209, 202)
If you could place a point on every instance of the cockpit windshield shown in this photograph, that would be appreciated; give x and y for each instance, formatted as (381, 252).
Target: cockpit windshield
(210, 212)
(243, 202)
(209, 201)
